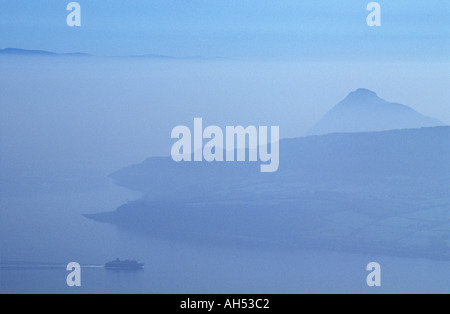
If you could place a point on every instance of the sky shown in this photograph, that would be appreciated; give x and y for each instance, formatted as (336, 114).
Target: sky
(299, 30)
(286, 63)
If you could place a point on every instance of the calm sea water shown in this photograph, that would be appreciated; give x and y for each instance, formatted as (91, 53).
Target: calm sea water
(43, 232)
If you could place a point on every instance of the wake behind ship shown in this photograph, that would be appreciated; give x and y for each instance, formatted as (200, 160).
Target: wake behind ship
(124, 265)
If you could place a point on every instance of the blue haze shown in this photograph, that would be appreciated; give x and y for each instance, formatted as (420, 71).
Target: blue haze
(237, 29)
(66, 123)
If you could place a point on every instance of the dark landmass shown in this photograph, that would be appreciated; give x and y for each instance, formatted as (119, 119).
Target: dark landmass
(378, 192)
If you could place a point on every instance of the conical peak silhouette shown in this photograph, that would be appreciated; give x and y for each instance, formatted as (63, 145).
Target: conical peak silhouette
(362, 94)
(363, 111)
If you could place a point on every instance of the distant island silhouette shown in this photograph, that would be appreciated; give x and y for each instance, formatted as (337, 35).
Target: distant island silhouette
(44, 53)
(363, 111)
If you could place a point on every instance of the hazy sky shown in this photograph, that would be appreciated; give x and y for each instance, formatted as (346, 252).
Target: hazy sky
(232, 28)
(128, 107)
(67, 122)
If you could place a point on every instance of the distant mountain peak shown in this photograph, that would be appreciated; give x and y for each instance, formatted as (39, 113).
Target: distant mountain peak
(362, 93)
(18, 51)
(40, 53)
(363, 111)
(360, 98)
